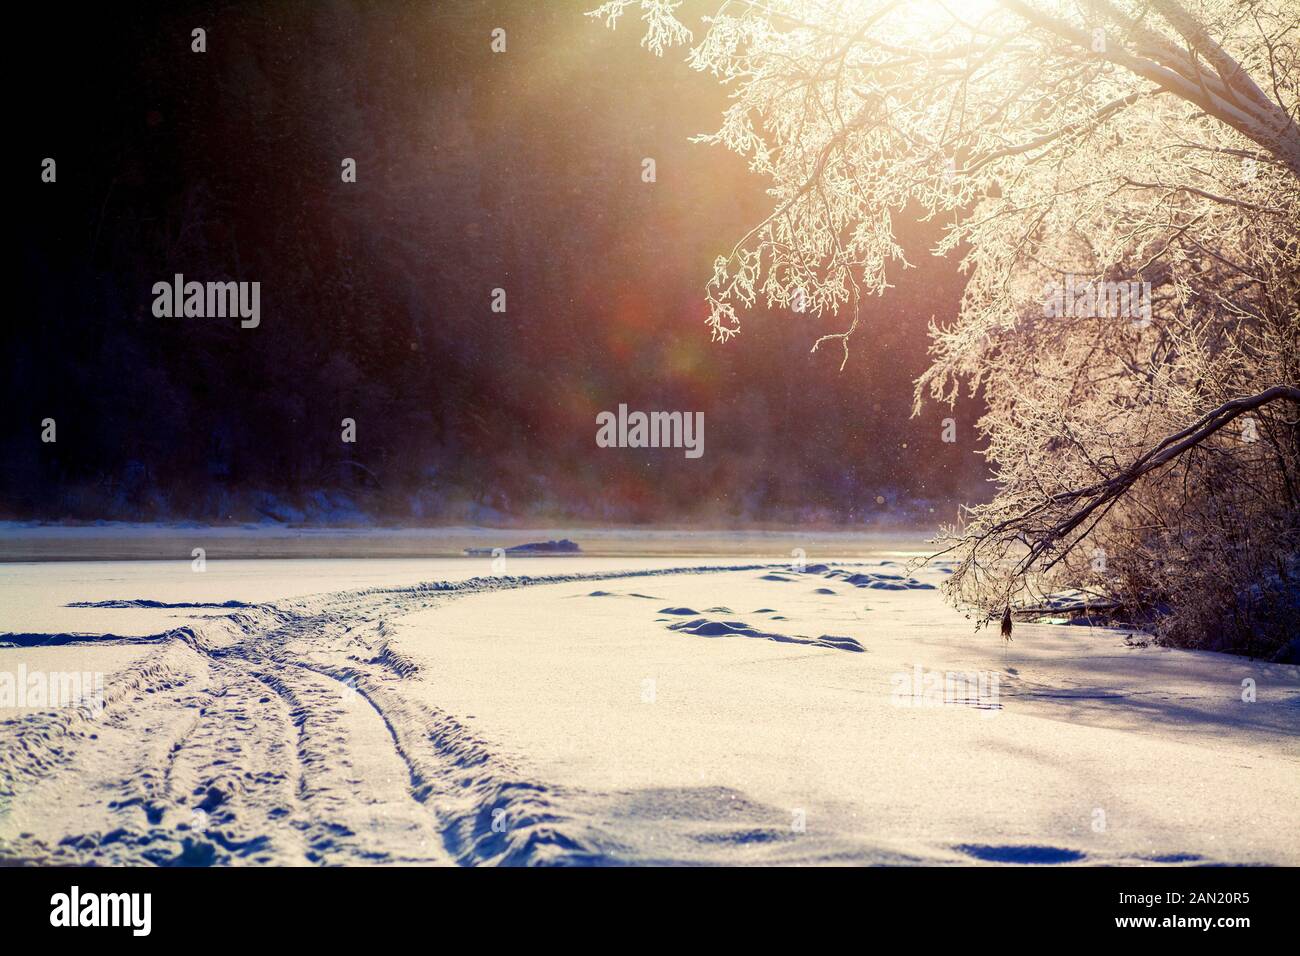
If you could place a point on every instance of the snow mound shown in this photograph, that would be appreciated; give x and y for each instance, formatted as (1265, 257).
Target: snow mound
(703, 627)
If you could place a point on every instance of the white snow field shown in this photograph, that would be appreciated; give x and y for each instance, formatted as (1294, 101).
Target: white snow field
(616, 710)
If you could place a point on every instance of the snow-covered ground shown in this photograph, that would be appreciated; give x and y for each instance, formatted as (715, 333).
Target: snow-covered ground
(118, 541)
(616, 710)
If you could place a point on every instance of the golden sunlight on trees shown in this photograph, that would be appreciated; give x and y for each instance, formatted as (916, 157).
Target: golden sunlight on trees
(1121, 182)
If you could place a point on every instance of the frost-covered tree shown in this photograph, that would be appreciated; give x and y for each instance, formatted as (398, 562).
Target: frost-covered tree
(1120, 180)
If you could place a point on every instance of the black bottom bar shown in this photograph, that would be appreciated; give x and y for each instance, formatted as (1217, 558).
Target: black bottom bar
(963, 905)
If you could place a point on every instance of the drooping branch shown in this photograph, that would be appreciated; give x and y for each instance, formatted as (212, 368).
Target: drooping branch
(1081, 504)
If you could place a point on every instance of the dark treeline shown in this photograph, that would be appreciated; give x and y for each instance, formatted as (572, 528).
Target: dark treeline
(475, 171)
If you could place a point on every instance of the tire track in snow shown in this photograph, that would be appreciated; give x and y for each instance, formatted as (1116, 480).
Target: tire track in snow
(299, 746)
